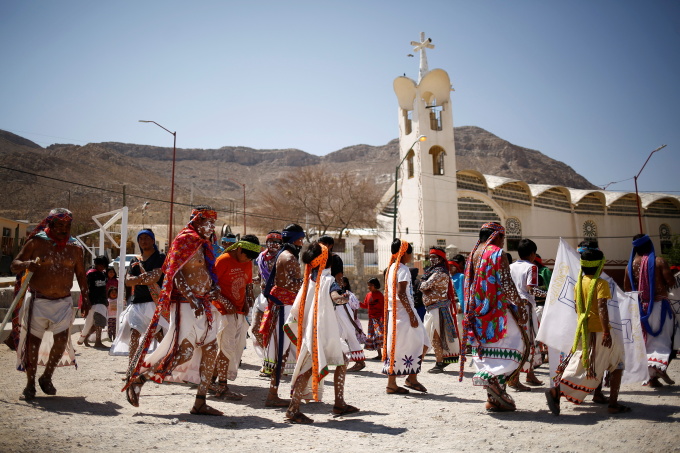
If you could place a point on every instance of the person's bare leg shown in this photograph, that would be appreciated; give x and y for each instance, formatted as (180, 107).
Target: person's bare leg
(134, 344)
(221, 368)
(437, 345)
(339, 385)
(206, 370)
(273, 399)
(33, 348)
(84, 338)
(184, 354)
(299, 387)
(615, 386)
(598, 396)
(60, 343)
(98, 338)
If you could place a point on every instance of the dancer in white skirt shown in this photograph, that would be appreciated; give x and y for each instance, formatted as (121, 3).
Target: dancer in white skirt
(406, 342)
(313, 327)
(145, 278)
(652, 277)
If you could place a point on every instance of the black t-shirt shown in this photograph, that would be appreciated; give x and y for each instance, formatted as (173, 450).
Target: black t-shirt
(96, 284)
(141, 293)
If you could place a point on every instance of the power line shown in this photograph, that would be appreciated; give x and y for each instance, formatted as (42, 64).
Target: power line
(281, 219)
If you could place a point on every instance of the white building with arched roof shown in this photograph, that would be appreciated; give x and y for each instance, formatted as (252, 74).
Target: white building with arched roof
(438, 204)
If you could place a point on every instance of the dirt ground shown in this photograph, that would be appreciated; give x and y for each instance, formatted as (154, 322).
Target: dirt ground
(90, 413)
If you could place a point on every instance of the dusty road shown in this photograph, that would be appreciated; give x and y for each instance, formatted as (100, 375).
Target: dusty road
(90, 413)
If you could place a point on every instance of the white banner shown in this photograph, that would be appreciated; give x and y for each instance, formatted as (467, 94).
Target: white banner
(558, 325)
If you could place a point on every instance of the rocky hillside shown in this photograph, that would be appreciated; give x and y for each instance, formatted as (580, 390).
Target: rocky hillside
(216, 175)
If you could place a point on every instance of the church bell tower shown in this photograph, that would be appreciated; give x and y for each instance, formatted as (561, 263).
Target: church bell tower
(427, 201)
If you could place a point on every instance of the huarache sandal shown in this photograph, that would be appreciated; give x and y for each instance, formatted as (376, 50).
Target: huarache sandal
(46, 386)
(553, 402)
(492, 406)
(204, 409)
(28, 393)
(600, 399)
(533, 380)
(499, 397)
(356, 367)
(618, 409)
(298, 418)
(133, 391)
(397, 391)
(347, 409)
(417, 386)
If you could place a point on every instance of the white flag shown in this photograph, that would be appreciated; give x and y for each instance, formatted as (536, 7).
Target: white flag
(558, 325)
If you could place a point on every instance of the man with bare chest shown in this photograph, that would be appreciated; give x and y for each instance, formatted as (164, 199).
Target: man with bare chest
(187, 353)
(652, 277)
(282, 287)
(54, 257)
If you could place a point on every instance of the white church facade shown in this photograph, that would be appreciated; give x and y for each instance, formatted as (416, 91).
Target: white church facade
(439, 204)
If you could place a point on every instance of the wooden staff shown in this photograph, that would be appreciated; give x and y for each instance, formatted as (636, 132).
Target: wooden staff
(17, 298)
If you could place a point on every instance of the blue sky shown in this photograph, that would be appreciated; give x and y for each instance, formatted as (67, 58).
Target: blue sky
(591, 83)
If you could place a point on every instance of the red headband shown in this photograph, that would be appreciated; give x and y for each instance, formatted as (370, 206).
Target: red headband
(458, 266)
(274, 236)
(205, 213)
(439, 253)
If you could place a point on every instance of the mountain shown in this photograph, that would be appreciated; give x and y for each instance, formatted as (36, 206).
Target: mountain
(105, 170)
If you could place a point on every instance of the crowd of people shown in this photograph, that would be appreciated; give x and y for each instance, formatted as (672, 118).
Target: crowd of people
(190, 312)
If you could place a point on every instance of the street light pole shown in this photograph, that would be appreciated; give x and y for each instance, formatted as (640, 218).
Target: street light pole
(172, 183)
(637, 196)
(244, 201)
(420, 138)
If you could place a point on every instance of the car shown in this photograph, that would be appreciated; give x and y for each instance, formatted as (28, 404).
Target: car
(116, 263)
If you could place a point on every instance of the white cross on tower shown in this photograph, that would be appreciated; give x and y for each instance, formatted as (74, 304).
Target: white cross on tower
(420, 47)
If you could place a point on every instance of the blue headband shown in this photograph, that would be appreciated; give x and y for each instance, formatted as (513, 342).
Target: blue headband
(291, 236)
(149, 233)
(226, 239)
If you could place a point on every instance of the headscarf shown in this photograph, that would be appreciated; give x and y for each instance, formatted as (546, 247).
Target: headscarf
(467, 289)
(395, 259)
(497, 229)
(583, 309)
(647, 291)
(647, 286)
(44, 226)
(317, 263)
(183, 247)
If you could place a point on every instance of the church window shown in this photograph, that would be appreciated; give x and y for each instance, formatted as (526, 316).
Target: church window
(438, 155)
(665, 238)
(662, 208)
(407, 115)
(513, 233)
(626, 205)
(435, 117)
(512, 192)
(590, 204)
(473, 213)
(589, 230)
(470, 182)
(554, 199)
(409, 164)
